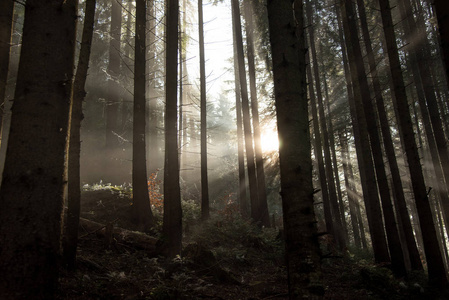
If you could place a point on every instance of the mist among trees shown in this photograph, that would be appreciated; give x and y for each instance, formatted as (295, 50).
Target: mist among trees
(224, 149)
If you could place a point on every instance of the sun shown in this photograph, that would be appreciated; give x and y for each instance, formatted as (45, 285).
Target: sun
(269, 140)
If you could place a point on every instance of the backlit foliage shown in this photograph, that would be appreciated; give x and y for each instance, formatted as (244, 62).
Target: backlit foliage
(156, 198)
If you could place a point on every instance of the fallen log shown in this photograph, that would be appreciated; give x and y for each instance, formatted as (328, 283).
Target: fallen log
(134, 239)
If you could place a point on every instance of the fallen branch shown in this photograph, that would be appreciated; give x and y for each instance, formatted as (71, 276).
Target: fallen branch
(137, 240)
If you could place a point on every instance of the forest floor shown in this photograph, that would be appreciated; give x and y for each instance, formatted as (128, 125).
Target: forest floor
(226, 258)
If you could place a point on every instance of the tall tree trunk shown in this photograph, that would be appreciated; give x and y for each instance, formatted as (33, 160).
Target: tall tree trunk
(437, 273)
(6, 17)
(425, 117)
(356, 197)
(31, 194)
(330, 228)
(127, 73)
(441, 237)
(262, 192)
(334, 157)
(336, 214)
(204, 181)
(360, 220)
(364, 154)
(182, 89)
(394, 245)
(143, 217)
(113, 93)
(350, 192)
(419, 51)
(153, 134)
(243, 199)
(172, 221)
(252, 177)
(355, 127)
(74, 182)
(398, 190)
(288, 55)
(442, 12)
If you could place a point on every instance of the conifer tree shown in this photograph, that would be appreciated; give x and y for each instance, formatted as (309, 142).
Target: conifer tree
(288, 55)
(31, 194)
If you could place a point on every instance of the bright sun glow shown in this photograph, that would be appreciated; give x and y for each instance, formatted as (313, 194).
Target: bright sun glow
(269, 140)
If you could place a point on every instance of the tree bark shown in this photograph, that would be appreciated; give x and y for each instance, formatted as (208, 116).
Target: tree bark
(288, 55)
(113, 72)
(394, 245)
(243, 199)
(350, 192)
(355, 127)
(6, 17)
(330, 228)
(336, 214)
(74, 181)
(442, 12)
(204, 181)
(154, 155)
(334, 157)
(180, 88)
(436, 270)
(31, 194)
(252, 177)
(262, 190)
(143, 217)
(364, 154)
(398, 190)
(172, 221)
(125, 70)
(419, 52)
(183, 89)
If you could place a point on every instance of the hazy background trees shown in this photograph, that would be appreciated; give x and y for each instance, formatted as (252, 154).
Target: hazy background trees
(192, 102)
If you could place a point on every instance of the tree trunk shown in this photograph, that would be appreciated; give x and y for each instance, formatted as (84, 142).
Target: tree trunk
(437, 273)
(425, 117)
(350, 192)
(334, 158)
(181, 94)
(360, 218)
(330, 228)
(113, 93)
(31, 194)
(182, 89)
(252, 177)
(355, 127)
(172, 221)
(6, 17)
(288, 55)
(127, 74)
(154, 156)
(204, 181)
(243, 199)
(419, 51)
(442, 12)
(356, 131)
(336, 214)
(394, 245)
(143, 217)
(398, 190)
(262, 192)
(74, 182)
(364, 154)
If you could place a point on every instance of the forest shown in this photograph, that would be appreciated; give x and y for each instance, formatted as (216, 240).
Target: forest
(225, 149)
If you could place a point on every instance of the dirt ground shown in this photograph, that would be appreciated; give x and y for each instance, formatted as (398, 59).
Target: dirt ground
(221, 260)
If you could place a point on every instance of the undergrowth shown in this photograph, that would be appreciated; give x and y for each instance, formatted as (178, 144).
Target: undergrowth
(237, 240)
